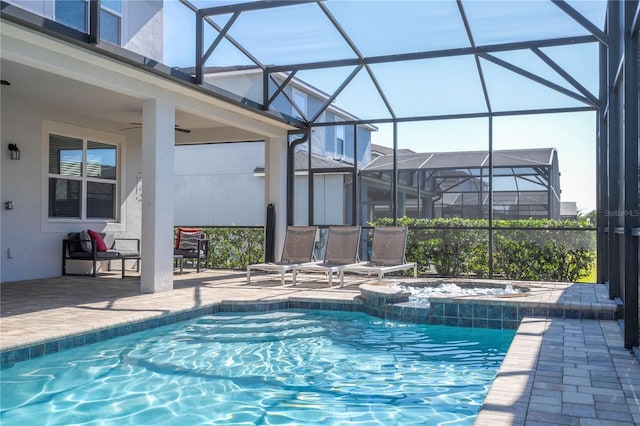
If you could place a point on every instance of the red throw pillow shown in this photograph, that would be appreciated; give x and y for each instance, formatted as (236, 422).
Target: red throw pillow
(100, 244)
(185, 230)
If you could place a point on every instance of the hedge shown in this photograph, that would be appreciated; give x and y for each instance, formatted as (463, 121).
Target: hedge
(534, 249)
(234, 247)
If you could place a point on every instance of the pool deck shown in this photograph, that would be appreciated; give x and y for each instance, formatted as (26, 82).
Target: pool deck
(558, 371)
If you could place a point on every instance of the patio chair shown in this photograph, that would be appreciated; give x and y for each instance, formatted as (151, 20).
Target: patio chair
(299, 242)
(387, 254)
(192, 245)
(342, 250)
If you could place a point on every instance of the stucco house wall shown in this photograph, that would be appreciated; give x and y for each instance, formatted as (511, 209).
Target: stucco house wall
(209, 178)
(215, 184)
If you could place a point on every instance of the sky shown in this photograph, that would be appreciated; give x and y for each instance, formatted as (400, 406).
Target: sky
(435, 86)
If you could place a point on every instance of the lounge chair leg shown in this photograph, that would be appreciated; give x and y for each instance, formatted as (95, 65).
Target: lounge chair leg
(248, 276)
(282, 279)
(293, 277)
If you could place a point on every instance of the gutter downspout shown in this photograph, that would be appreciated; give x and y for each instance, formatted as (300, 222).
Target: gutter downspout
(291, 172)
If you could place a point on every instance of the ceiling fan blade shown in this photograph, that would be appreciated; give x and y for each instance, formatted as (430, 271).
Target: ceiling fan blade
(138, 125)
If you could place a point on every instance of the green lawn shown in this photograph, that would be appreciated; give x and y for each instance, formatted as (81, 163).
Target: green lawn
(592, 277)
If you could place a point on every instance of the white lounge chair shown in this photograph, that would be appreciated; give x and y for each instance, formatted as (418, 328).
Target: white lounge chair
(298, 248)
(387, 254)
(342, 250)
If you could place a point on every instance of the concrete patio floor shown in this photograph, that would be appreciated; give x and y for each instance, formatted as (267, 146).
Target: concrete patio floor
(558, 371)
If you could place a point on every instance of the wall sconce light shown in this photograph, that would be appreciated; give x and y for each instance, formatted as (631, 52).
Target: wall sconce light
(14, 151)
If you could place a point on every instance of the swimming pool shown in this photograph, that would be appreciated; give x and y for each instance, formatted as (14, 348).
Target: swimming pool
(282, 367)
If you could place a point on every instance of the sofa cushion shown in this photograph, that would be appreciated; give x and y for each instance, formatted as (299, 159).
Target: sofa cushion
(128, 253)
(189, 241)
(97, 237)
(80, 255)
(109, 254)
(109, 240)
(186, 231)
(189, 254)
(85, 241)
(74, 243)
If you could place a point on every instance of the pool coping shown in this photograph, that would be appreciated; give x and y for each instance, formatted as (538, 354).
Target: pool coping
(379, 300)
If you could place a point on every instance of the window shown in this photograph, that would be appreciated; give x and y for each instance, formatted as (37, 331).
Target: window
(110, 19)
(75, 14)
(300, 100)
(340, 141)
(83, 180)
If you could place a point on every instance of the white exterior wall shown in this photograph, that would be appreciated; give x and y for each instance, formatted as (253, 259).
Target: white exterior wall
(328, 199)
(34, 242)
(40, 7)
(246, 85)
(215, 185)
(142, 28)
(301, 203)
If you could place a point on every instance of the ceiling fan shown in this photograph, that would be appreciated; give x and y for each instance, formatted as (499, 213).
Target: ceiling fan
(138, 125)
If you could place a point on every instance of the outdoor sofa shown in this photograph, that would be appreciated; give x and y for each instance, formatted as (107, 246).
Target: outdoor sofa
(95, 247)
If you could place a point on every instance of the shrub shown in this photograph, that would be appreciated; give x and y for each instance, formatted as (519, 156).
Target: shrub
(454, 247)
(542, 250)
(537, 249)
(235, 247)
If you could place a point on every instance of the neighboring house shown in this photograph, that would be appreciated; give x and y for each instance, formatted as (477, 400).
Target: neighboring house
(208, 175)
(216, 184)
(568, 210)
(526, 184)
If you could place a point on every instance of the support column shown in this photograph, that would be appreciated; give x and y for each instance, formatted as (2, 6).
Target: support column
(629, 180)
(614, 135)
(158, 142)
(276, 185)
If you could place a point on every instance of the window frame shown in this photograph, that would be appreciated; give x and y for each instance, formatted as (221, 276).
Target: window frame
(85, 25)
(103, 9)
(117, 223)
(340, 131)
(295, 94)
(118, 16)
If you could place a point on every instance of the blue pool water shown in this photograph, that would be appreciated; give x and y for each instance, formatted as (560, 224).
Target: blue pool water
(283, 367)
